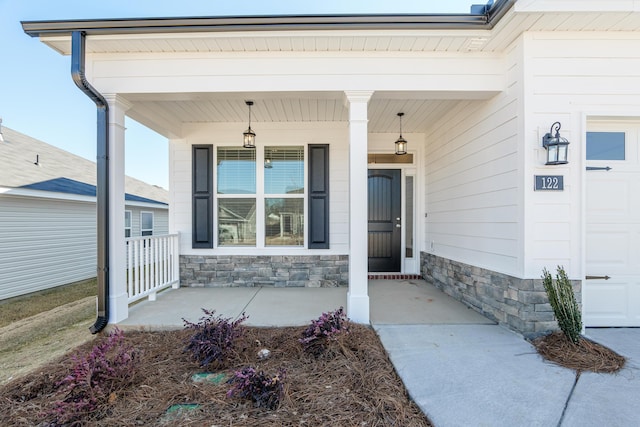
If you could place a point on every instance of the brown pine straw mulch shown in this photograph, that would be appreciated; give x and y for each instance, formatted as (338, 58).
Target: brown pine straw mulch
(353, 383)
(584, 356)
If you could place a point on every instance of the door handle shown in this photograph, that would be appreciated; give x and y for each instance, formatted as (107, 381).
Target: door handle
(597, 277)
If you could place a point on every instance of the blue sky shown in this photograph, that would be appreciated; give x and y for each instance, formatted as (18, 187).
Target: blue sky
(38, 97)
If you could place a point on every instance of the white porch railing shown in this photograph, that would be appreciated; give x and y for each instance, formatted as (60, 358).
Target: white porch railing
(152, 265)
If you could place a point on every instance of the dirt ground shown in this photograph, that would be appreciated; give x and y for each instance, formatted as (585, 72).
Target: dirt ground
(33, 342)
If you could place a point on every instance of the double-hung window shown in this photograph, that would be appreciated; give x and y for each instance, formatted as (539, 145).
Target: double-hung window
(260, 196)
(127, 224)
(146, 223)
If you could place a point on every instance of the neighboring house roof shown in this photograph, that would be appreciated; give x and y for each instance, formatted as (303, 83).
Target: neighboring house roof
(28, 163)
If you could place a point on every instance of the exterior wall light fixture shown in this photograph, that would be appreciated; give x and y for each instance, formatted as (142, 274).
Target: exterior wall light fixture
(401, 143)
(249, 136)
(556, 146)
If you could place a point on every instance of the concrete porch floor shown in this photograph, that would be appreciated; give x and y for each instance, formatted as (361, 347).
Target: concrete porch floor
(391, 302)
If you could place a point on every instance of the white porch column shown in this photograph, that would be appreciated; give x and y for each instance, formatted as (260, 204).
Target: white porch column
(118, 305)
(358, 295)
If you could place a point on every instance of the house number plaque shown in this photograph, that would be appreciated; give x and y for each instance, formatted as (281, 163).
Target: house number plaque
(549, 183)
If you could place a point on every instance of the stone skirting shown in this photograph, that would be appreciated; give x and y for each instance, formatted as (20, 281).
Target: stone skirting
(519, 304)
(278, 271)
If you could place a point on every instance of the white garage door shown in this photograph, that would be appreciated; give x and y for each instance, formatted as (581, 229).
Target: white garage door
(612, 288)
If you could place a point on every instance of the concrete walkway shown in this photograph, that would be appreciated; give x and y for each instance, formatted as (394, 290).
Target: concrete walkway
(485, 375)
(459, 367)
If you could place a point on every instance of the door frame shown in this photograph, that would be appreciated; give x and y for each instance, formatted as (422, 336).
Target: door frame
(407, 265)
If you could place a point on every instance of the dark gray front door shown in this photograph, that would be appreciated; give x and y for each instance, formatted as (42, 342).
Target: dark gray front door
(384, 220)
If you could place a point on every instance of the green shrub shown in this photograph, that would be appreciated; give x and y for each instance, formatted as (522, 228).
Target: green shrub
(563, 302)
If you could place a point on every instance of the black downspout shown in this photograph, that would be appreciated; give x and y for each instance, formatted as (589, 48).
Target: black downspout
(102, 182)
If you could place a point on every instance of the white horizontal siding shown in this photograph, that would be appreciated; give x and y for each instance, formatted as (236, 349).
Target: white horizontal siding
(45, 243)
(572, 76)
(160, 220)
(473, 181)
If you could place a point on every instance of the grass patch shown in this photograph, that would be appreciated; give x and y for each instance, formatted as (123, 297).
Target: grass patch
(18, 308)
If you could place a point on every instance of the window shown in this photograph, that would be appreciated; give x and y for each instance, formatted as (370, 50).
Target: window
(146, 223)
(270, 211)
(127, 224)
(605, 145)
(408, 227)
(284, 196)
(236, 181)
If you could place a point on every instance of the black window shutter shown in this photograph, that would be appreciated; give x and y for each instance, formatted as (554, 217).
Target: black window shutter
(318, 196)
(202, 231)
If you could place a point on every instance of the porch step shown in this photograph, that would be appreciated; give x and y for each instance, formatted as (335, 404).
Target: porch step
(394, 276)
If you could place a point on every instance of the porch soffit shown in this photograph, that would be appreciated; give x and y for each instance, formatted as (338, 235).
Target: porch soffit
(420, 112)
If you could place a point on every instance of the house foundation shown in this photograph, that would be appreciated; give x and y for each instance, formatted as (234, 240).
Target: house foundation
(264, 270)
(519, 304)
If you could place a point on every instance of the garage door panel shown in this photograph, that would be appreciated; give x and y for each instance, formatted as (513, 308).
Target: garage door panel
(609, 197)
(611, 300)
(608, 253)
(633, 301)
(613, 236)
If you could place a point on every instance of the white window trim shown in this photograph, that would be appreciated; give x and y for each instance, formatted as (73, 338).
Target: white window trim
(142, 230)
(260, 197)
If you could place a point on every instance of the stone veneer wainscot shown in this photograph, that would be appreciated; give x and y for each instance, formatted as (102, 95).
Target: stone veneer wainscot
(519, 304)
(264, 270)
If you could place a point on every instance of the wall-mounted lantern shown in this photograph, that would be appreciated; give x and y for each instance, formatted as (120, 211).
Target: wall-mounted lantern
(557, 147)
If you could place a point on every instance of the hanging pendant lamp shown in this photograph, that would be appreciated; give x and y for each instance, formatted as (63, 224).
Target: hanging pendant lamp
(249, 136)
(401, 143)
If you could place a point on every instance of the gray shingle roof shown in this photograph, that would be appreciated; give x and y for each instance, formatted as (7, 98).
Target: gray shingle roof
(58, 170)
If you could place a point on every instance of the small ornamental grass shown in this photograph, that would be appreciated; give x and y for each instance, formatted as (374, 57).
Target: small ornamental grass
(214, 337)
(94, 380)
(263, 390)
(563, 302)
(328, 327)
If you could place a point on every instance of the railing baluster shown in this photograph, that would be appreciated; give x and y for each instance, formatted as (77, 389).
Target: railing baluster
(152, 265)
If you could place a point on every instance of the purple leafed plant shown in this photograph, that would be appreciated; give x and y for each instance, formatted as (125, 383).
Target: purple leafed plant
(94, 378)
(214, 337)
(264, 390)
(327, 327)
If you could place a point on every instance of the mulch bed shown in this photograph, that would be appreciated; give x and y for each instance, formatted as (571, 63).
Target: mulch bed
(584, 356)
(352, 383)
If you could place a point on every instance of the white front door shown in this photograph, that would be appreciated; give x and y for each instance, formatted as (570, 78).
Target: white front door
(612, 286)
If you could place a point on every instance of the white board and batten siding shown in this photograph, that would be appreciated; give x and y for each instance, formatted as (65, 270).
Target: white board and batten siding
(583, 79)
(45, 244)
(226, 134)
(472, 180)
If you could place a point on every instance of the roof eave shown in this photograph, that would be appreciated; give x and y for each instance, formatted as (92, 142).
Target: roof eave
(270, 23)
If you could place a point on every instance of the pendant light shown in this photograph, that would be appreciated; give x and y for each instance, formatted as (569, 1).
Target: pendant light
(249, 136)
(401, 143)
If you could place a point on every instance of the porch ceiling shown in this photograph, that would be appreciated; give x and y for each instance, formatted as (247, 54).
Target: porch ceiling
(165, 113)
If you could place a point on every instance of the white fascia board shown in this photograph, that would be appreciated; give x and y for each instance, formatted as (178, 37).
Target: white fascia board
(146, 205)
(23, 192)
